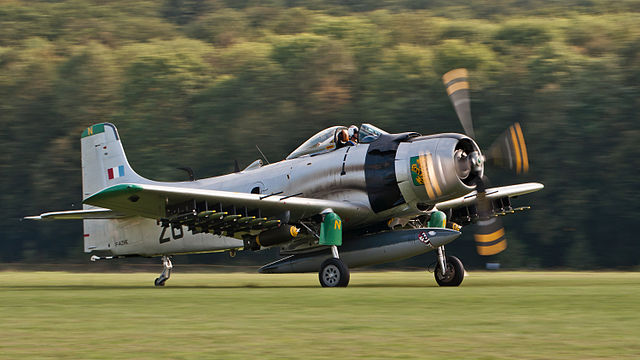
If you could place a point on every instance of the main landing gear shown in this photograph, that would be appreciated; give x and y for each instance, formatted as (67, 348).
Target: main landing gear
(449, 270)
(166, 271)
(333, 271)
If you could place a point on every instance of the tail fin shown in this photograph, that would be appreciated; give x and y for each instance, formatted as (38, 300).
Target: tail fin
(103, 160)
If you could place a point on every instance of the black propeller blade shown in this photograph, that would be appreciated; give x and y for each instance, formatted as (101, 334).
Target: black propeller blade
(509, 150)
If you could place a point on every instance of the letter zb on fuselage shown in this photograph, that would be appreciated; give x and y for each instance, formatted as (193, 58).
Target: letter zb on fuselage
(176, 233)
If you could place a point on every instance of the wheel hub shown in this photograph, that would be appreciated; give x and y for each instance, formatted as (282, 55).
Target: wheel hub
(448, 275)
(331, 275)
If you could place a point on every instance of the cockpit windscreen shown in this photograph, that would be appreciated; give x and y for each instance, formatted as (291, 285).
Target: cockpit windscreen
(325, 140)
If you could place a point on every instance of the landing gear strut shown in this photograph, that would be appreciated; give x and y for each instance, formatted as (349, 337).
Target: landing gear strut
(449, 270)
(166, 271)
(333, 271)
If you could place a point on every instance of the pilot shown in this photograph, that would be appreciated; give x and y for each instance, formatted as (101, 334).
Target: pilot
(353, 134)
(342, 138)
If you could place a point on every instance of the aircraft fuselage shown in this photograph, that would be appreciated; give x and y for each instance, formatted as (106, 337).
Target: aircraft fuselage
(377, 177)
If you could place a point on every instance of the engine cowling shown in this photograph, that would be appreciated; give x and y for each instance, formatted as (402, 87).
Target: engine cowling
(431, 169)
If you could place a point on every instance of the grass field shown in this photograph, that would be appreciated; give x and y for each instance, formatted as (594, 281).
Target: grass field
(381, 315)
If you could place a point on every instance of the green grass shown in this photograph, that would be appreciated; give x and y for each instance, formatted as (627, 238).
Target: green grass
(381, 315)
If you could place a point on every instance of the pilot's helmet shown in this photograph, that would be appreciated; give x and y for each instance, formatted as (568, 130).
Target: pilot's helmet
(353, 132)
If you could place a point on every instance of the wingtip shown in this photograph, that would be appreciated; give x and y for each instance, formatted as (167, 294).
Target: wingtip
(37, 217)
(539, 186)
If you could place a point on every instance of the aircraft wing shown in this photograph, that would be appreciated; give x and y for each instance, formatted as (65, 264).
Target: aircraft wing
(492, 193)
(153, 201)
(98, 213)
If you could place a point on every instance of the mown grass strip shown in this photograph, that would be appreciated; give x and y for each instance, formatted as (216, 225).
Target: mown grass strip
(381, 315)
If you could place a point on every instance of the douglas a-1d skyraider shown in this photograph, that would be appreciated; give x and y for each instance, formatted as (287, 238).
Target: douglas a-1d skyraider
(329, 206)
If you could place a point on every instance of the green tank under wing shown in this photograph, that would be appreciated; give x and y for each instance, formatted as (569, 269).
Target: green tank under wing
(437, 220)
(331, 230)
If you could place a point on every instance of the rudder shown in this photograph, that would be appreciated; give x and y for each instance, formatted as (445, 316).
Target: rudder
(104, 162)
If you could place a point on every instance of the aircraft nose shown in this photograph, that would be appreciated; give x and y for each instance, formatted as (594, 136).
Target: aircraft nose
(436, 237)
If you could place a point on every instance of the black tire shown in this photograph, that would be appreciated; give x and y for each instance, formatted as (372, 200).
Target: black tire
(158, 282)
(334, 273)
(454, 275)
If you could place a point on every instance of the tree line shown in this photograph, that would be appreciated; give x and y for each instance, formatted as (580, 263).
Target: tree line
(199, 83)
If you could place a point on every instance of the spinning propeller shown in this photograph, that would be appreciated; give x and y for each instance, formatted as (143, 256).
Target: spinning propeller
(508, 150)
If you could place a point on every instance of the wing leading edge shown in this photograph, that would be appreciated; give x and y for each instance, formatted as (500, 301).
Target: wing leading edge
(492, 193)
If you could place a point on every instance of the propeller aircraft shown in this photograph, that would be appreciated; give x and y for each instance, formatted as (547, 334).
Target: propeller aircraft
(329, 206)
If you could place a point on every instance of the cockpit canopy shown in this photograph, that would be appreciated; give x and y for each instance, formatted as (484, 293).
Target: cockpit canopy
(325, 140)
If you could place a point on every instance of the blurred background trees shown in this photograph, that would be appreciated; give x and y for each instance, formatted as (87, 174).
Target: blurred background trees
(199, 82)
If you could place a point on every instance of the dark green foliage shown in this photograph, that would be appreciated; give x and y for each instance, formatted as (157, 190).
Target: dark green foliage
(182, 12)
(200, 82)
(523, 34)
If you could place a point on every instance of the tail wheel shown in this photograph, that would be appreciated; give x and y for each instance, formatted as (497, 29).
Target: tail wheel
(334, 273)
(454, 274)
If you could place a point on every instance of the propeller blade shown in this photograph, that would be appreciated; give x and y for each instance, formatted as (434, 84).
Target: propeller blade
(509, 150)
(458, 91)
(489, 236)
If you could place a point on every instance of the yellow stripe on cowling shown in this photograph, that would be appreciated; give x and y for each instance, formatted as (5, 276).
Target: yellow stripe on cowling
(516, 148)
(493, 249)
(432, 175)
(454, 74)
(523, 148)
(485, 238)
(463, 85)
(422, 160)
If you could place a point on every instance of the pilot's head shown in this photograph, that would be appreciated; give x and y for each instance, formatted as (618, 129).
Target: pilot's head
(343, 137)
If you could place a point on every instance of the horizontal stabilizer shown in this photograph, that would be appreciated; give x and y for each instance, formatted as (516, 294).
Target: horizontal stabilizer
(98, 213)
